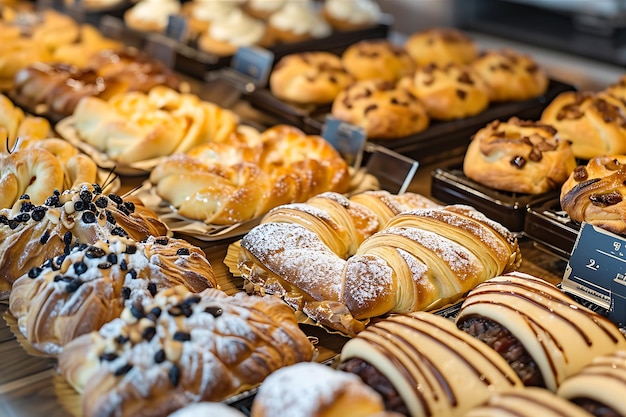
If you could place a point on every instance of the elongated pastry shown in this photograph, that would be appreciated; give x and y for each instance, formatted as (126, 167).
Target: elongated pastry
(542, 333)
(181, 348)
(424, 366)
(78, 292)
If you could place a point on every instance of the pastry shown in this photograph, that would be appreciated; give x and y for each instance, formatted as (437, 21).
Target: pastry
(201, 13)
(510, 75)
(541, 332)
(263, 9)
(595, 123)
(90, 42)
(30, 233)
(377, 59)
(309, 78)
(181, 348)
(206, 409)
(151, 15)
(78, 292)
(594, 193)
(310, 389)
(232, 184)
(519, 156)
(384, 110)
(348, 15)
(450, 92)
(297, 21)
(14, 124)
(423, 366)
(235, 30)
(333, 260)
(600, 386)
(440, 47)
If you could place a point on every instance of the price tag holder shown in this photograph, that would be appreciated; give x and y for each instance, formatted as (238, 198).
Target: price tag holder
(347, 139)
(596, 271)
(161, 48)
(394, 171)
(254, 63)
(177, 28)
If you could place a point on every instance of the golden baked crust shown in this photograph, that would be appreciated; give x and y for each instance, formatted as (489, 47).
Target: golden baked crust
(511, 75)
(377, 59)
(595, 123)
(78, 292)
(384, 110)
(519, 156)
(181, 348)
(441, 46)
(595, 192)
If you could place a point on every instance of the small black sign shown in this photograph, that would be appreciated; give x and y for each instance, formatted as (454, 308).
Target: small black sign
(253, 62)
(347, 139)
(177, 28)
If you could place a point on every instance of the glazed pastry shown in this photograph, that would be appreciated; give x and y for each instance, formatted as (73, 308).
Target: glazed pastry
(309, 78)
(510, 75)
(423, 366)
(351, 14)
(151, 15)
(519, 156)
(441, 46)
(540, 331)
(377, 59)
(76, 293)
(384, 110)
(30, 233)
(595, 123)
(237, 29)
(594, 193)
(450, 92)
(600, 386)
(297, 21)
(182, 348)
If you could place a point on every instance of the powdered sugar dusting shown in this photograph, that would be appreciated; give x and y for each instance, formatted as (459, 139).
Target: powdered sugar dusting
(368, 278)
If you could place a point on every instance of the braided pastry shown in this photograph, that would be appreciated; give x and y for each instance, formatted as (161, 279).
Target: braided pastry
(595, 192)
(78, 292)
(423, 365)
(595, 123)
(30, 234)
(182, 347)
(222, 184)
(540, 331)
(519, 156)
(333, 260)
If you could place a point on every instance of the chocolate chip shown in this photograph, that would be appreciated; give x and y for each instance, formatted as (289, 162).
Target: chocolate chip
(148, 333)
(13, 224)
(96, 189)
(116, 198)
(174, 375)
(80, 268)
(182, 251)
(38, 213)
(131, 249)
(44, 238)
(112, 257)
(27, 206)
(194, 299)
(518, 161)
(152, 288)
(162, 240)
(73, 285)
(461, 94)
(79, 205)
(137, 310)
(123, 265)
(34, 272)
(125, 293)
(86, 196)
(133, 274)
(94, 252)
(123, 370)
(67, 238)
(214, 311)
(53, 201)
(22, 217)
(105, 265)
(182, 336)
(108, 356)
(110, 217)
(118, 231)
(160, 356)
(4, 219)
(102, 202)
(24, 197)
(121, 339)
(604, 200)
(370, 108)
(89, 217)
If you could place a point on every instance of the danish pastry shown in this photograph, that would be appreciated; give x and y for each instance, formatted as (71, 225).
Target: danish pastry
(441, 46)
(377, 59)
(519, 156)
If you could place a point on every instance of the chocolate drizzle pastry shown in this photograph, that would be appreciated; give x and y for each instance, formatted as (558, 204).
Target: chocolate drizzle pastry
(30, 234)
(75, 293)
(181, 348)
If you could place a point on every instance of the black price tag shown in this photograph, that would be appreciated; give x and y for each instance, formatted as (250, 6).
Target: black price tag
(253, 62)
(596, 269)
(162, 48)
(347, 139)
(394, 172)
(177, 28)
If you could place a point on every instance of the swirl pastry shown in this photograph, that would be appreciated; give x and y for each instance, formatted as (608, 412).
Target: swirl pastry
(377, 59)
(542, 333)
(600, 386)
(334, 261)
(76, 293)
(594, 193)
(423, 365)
(384, 110)
(181, 348)
(519, 156)
(441, 46)
(309, 77)
(510, 75)
(595, 123)
(30, 234)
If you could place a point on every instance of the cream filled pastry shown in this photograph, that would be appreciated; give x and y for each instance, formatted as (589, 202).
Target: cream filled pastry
(235, 30)
(151, 15)
(298, 21)
(351, 14)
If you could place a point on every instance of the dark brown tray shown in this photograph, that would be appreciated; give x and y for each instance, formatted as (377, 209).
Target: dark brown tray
(551, 227)
(451, 186)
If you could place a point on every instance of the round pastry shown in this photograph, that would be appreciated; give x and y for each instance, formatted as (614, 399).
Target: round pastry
(297, 21)
(351, 14)
(423, 366)
(309, 78)
(519, 156)
(181, 348)
(540, 331)
(617, 89)
(78, 292)
(30, 234)
(377, 59)
(201, 13)
(90, 42)
(310, 389)
(510, 75)
(441, 46)
(594, 193)
(263, 9)
(599, 387)
(151, 15)
(451, 91)
(207, 409)
(528, 402)
(235, 30)
(384, 110)
(594, 123)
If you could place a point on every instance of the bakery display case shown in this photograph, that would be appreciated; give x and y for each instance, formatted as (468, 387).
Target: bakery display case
(186, 233)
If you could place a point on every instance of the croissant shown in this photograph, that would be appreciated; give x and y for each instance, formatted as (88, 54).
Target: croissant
(332, 259)
(30, 234)
(182, 348)
(77, 293)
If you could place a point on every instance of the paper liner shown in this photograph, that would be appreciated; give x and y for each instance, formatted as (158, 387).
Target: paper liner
(21, 339)
(68, 397)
